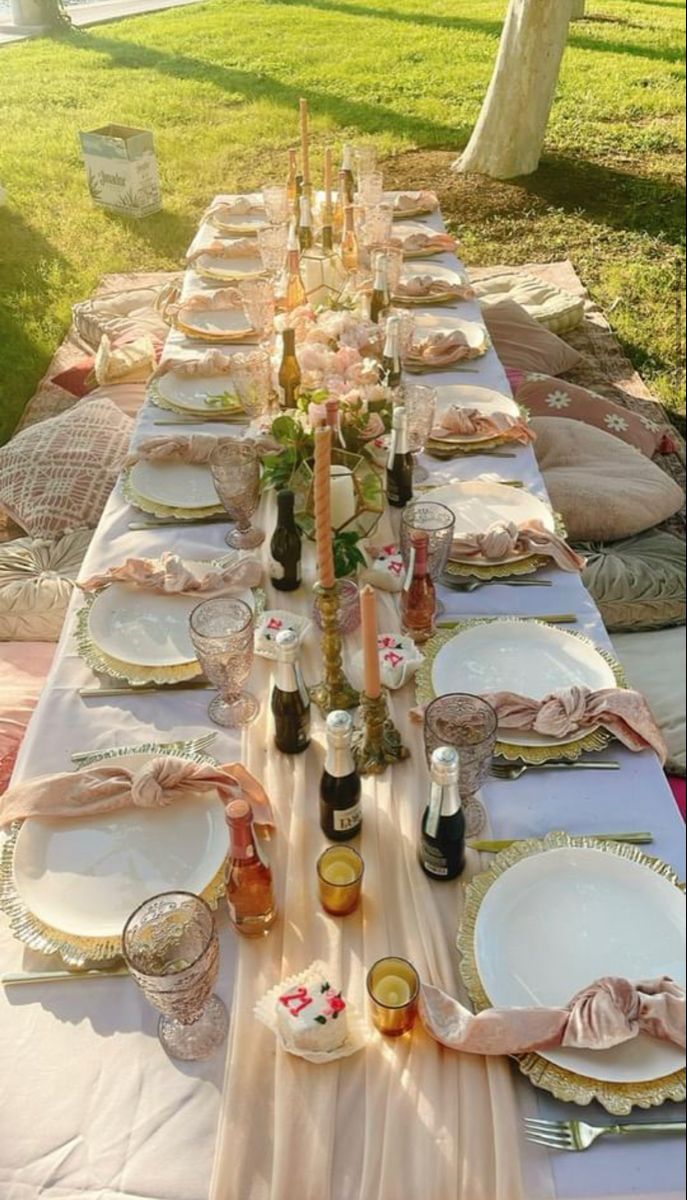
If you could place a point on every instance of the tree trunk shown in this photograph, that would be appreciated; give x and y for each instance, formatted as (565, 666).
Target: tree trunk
(509, 133)
(577, 13)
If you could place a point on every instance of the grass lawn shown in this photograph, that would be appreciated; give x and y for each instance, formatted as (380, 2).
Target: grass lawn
(218, 83)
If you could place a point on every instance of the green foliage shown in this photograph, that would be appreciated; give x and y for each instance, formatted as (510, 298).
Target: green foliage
(298, 447)
(347, 553)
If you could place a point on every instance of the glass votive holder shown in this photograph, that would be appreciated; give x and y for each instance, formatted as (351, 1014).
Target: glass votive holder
(340, 879)
(393, 986)
(348, 615)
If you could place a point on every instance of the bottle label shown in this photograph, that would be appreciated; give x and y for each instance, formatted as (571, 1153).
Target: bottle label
(277, 570)
(347, 818)
(433, 860)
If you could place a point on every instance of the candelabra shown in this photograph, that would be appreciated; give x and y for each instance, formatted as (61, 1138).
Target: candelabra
(377, 743)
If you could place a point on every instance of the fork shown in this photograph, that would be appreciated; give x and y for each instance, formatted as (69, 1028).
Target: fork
(515, 770)
(471, 585)
(193, 745)
(577, 1135)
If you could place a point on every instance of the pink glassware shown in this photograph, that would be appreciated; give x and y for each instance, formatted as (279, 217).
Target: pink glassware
(235, 468)
(251, 376)
(469, 724)
(276, 201)
(349, 607)
(222, 631)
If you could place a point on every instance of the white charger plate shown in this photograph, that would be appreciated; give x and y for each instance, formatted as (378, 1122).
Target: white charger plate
(436, 270)
(469, 395)
(477, 505)
(523, 657)
(85, 876)
(210, 322)
(247, 225)
(192, 393)
(175, 484)
(229, 268)
(475, 334)
(554, 922)
(146, 628)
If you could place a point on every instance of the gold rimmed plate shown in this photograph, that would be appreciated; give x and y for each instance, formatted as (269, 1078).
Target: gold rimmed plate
(155, 487)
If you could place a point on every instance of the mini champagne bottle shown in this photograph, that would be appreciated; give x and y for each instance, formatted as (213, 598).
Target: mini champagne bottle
(290, 698)
(285, 547)
(289, 377)
(349, 241)
(295, 291)
(341, 814)
(249, 890)
(380, 299)
(399, 467)
(442, 836)
(346, 175)
(305, 234)
(391, 355)
(418, 598)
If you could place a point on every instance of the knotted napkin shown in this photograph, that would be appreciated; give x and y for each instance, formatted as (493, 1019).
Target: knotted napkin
(470, 422)
(416, 287)
(206, 363)
(439, 350)
(239, 206)
(111, 786)
(504, 538)
(195, 447)
(410, 201)
(607, 1013)
(170, 575)
(412, 243)
(623, 712)
(237, 248)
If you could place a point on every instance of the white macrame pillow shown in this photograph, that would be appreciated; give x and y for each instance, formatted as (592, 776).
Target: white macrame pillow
(36, 582)
(552, 307)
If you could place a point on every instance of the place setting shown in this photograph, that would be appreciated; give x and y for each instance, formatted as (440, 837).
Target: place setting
(214, 385)
(421, 284)
(443, 343)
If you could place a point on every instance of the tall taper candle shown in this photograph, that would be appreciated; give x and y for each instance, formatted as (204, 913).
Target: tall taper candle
(368, 616)
(323, 506)
(328, 177)
(305, 148)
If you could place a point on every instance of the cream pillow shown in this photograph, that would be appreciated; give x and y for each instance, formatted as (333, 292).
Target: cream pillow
(57, 475)
(655, 665)
(36, 581)
(603, 489)
(523, 344)
(552, 307)
(23, 670)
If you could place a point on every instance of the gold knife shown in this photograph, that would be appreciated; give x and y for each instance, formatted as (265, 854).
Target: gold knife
(145, 689)
(546, 618)
(12, 978)
(495, 846)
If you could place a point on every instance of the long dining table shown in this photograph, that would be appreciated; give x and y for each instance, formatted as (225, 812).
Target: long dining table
(90, 1106)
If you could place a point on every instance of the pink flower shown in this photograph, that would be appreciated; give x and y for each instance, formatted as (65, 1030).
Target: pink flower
(374, 426)
(336, 1004)
(313, 358)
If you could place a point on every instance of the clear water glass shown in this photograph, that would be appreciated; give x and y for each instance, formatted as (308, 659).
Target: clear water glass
(251, 376)
(222, 634)
(469, 724)
(171, 948)
(235, 468)
(272, 246)
(257, 297)
(276, 201)
(437, 521)
(364, 161)
(371, 187)
(420, 404)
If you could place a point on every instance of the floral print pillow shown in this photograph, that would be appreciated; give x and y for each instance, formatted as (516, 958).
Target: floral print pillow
(548, 396)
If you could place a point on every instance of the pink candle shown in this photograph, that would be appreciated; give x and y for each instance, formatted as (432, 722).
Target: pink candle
(305, 148)
(368, 616)
(328, 177)
(323, 506)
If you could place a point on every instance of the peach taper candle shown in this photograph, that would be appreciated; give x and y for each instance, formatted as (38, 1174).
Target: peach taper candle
(368, 616)
(305, 146)
(323, 506)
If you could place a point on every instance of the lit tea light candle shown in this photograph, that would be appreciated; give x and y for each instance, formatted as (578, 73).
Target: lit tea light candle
(392, 990)
(340, 877)
(393, 986)
(338, 872)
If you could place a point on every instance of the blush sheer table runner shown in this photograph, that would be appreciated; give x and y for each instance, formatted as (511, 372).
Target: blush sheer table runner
(411, 1121)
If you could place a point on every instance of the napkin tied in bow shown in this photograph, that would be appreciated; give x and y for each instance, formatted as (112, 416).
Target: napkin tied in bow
(194, 447)
(418, 286)
(440, 350)
(238, 248)
(470, 422)
(171, 576)
(411, 243)
(504, 538)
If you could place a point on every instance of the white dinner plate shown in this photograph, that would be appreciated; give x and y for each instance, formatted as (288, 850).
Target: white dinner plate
(175, 484)
(228, 322)
(404, 229)
(555, 922)
(194, 393)
(427, 323)
(522, 657)
(247, 224)
(229, 268)
(469, 395)
(143, 627)
(478, 505)
(436, 270)
(85, 876)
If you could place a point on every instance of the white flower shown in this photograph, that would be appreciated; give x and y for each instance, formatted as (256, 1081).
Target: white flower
(532, 375)
(615, 422)
(558, 400)
(648, 423)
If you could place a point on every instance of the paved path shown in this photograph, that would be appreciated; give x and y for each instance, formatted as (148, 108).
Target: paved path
(95, 14)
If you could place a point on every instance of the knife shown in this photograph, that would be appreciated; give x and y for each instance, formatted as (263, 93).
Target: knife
(192, 685)
(495, 846)
(12, 978)
(546, 618)
(180, 523)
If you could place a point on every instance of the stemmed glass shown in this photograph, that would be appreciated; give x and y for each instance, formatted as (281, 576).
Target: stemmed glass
(257, 296)
(235, 470)
(171, 948)
(469, 724)
(371, 187)
(251, 376)
(420, 404)
(222, 635)
(437, 521)
(276, 201)
(272, 246)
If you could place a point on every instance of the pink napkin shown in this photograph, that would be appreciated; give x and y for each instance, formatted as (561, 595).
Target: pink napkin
(194, 447)
(414, 242)
(607, 1013)
(206, 363)
(419, 286)
(469, 421)
(440, 350)
(109, 786)
(227, 210)
(169, 575)
(410, 201)
(504, 538)
(238, 248)
(622, 712)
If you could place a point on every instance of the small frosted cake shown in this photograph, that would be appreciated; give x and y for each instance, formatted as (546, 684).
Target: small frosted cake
(312, 1017)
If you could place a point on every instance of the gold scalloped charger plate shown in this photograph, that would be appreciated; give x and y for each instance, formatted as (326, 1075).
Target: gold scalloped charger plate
(508, 654)
(152, 488)
(67, 886)
(215, 324)
(476, 505)
(203, 394)
(550, 916)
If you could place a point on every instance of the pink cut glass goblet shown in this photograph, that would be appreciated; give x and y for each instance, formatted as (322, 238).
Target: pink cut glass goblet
(171, 948)
(272, 246)
(276, 201)
(420, 404)
(222, 635)
(257, 296)
(235, 470)
(251, 376)
(469, 724)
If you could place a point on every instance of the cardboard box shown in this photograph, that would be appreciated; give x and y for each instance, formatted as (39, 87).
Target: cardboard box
(122, 169)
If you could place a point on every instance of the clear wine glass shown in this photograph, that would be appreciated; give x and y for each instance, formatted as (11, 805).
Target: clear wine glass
(276, 201)
(469, 724)
(272, 246)
(235, 470)
(171, 948)
(222, 634)
(420, 404)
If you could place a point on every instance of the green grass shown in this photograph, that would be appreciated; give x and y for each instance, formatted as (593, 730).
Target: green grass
(218, 83)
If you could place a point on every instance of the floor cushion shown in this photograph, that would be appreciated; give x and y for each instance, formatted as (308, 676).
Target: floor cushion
(57, 475)
(603, 489)
(36, 581)
(121, 316)
(522, 343)
(546, 396)
(679, 790)
(637, 583)
(552, 307)
(23, 670)
(655, 665)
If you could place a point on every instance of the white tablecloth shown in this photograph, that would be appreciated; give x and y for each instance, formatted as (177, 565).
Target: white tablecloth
(90, 1106)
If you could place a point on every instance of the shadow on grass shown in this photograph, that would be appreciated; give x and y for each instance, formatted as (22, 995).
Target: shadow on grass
(167, 233)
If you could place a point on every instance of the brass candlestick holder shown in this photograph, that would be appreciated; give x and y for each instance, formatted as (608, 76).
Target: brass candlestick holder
(334, 691)
(377, 743)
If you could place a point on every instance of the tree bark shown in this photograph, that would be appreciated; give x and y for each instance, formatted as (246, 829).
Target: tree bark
(577, 13)
(509, 134)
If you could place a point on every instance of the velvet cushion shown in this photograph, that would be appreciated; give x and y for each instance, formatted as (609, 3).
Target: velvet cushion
(36, 581)
(552, 307)
(522, 343)
(655, 665)
(603, 489)
(638, 583)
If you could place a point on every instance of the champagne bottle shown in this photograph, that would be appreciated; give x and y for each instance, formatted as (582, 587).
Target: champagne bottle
(341, 815)
(391, 355)
(297, 202)
(399, 467)
(380, 299)
(346, 175)
(442, 837)
(249, 889)
(305, 237)
(349, 241)
(418, 598)
(295, 291)
(289, 376)
(291, 180)
(290, 699)
(285, 547)
(338, 217)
